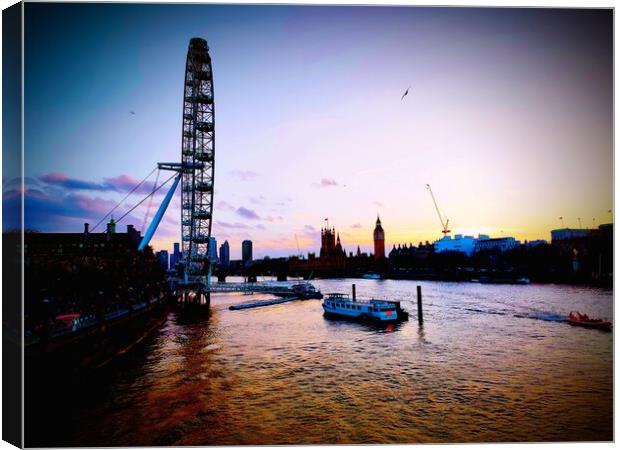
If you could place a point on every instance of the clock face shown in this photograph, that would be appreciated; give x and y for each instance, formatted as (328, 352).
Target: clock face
(379, 235)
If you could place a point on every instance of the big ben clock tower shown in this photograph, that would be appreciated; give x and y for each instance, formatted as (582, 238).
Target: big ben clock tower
(379, 237)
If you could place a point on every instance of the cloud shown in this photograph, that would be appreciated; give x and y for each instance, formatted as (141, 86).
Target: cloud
(326, 182)
(244, 175)
(283, 202)
(47, 212)
(273, 219)
(356, 225)
(247, 213)
(257, 200)
(310, 231)
(235, 225)
(260, 226)
(224, 205)
(125, 183)
(120, 183)
(60, 179)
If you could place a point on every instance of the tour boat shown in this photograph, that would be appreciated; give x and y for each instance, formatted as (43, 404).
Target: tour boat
(582, 320)
(342, 306)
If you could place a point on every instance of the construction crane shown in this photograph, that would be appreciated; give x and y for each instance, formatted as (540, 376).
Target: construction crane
(298, 250)
(444, 225)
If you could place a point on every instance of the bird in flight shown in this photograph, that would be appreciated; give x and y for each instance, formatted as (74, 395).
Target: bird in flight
(132, 113)
(406, 92)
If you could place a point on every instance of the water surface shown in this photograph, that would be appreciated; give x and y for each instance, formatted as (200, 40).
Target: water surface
(492, 363)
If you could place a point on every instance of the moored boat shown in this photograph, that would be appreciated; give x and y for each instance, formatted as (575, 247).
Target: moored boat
(503, 280)
(306, 291)
(582, 320)
(302, 291)
(371, 276)
(384, 311)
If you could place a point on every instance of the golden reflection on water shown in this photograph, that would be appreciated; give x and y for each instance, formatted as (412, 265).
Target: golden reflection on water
(286, 375)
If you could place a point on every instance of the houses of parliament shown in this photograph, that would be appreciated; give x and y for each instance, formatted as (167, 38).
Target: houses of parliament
(333, 259)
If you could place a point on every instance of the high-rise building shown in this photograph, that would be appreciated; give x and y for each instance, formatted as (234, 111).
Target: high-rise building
(176, 255)
(246, 251)
(213, 250)
(379, 238)
(162, 256)
(224, 257)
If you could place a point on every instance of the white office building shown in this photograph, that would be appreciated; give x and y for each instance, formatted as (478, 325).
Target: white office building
(460, 243)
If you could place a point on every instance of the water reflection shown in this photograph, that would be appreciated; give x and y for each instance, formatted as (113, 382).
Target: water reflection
(372, 327)
(489, 364)
(422, 334)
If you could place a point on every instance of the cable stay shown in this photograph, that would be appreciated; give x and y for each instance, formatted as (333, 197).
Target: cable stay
(145, 198)
(148, 208)
(124, 198)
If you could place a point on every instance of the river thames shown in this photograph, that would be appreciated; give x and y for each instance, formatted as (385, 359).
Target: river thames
(492, 363)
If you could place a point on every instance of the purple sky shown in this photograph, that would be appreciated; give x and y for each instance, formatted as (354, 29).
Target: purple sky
(509, 118)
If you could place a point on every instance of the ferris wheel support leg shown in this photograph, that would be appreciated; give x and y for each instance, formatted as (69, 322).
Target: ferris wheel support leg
(209, 274)
(160, 213)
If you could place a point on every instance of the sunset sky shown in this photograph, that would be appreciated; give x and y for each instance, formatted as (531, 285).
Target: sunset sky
(509, 118)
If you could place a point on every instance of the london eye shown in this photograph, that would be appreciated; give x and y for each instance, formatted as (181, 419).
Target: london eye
(198, 160)
(195, 172)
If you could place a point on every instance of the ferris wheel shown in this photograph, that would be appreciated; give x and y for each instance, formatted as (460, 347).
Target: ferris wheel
(198, 159)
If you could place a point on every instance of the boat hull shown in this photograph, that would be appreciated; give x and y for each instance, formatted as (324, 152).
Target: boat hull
(364, 317)
(371, 276)
(605, 326)
(582, 320)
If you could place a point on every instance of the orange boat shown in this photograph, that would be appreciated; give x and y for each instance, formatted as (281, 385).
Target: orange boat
(582, 320)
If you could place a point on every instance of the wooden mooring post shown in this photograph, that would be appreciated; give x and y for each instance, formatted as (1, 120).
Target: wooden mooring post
(420, 314)
(353, 291)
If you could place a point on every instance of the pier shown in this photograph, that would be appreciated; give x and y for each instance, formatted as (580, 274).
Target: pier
(275, 301)
(251, 288)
